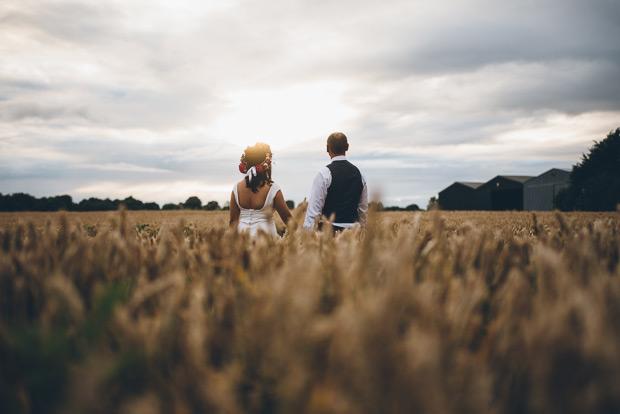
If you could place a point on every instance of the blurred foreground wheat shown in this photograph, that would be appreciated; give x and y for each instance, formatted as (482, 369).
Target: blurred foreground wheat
(424, 313)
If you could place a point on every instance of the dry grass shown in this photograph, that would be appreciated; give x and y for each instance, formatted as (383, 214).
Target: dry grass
(439, 313)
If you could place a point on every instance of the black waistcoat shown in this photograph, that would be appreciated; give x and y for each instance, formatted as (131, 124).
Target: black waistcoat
(343, 194)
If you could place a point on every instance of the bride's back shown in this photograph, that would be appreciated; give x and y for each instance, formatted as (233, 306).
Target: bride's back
(250, 200)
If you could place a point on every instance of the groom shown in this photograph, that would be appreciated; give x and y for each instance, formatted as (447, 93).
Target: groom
(338, 189)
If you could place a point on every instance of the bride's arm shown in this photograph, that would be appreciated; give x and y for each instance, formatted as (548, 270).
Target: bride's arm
(282, 209)
(234, 211)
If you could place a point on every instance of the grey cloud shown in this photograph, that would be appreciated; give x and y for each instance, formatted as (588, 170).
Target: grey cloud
(566, 87)
(131, 164)
(21, 86)
(475, 107)
(28, 111)
(70, 21)
(109, 107)
(137, 79)
(491, 33)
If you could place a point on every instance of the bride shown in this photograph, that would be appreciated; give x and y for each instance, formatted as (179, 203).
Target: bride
(254, 198)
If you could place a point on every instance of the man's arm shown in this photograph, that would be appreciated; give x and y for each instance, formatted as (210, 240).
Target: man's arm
(317, 198)
(362, 206)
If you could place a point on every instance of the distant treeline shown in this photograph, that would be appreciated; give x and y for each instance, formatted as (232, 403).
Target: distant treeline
(26, 202)
(378, 206)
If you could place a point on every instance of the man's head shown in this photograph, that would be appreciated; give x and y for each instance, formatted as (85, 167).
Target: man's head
(337, 144)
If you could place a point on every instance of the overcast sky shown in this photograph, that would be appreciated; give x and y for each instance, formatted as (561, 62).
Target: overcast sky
(157, 99)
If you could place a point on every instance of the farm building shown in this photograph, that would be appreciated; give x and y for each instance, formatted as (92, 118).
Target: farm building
(459, 196)
(504, 192)
(538, 193)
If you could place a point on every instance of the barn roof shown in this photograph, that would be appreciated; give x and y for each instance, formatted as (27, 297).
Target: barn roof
(554, 175)
(518, 178)
(515, 181)
(562, 171)
(470, 184)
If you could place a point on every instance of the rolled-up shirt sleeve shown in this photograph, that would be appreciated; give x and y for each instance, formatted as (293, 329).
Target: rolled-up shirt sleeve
(321, 183)
(362, 206)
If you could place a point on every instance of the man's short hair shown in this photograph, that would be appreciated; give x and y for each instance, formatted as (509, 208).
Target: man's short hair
(337, 143)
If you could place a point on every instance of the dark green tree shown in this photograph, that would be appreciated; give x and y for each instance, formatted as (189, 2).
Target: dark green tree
(20, 202)
(133, 204)
(594, 184)
(56, 203)
(433, 204)
(63, 202)
(193, 203)
(96, 204)
(212, 205)
(151, 206)
(171, 206)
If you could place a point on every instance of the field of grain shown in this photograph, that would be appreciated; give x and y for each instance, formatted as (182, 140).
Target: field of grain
(170, 312)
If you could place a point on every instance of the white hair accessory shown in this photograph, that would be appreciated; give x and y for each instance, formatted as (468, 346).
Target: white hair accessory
(251, 174)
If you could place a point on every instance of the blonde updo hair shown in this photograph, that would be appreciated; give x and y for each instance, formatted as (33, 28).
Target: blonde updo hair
(259, 156)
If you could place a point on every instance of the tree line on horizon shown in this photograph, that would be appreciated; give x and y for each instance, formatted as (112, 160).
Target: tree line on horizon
(27, 202)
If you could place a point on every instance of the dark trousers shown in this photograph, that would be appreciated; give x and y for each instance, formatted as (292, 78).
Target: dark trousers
(335, 229)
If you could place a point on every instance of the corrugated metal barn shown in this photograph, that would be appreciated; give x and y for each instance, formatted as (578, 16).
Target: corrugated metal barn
(459, 196)
(538, 193)
(504, 192)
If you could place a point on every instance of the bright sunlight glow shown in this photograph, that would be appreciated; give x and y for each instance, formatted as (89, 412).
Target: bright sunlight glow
(283, 117)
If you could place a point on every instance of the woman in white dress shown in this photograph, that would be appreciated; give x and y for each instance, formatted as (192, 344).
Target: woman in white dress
(254, 198)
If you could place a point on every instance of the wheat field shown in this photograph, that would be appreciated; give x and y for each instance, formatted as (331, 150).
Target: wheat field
(428, 312)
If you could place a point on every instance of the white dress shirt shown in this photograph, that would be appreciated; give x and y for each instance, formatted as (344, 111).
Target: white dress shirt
(321, 183)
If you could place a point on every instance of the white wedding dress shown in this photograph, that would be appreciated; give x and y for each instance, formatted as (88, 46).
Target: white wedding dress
(252, 220)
